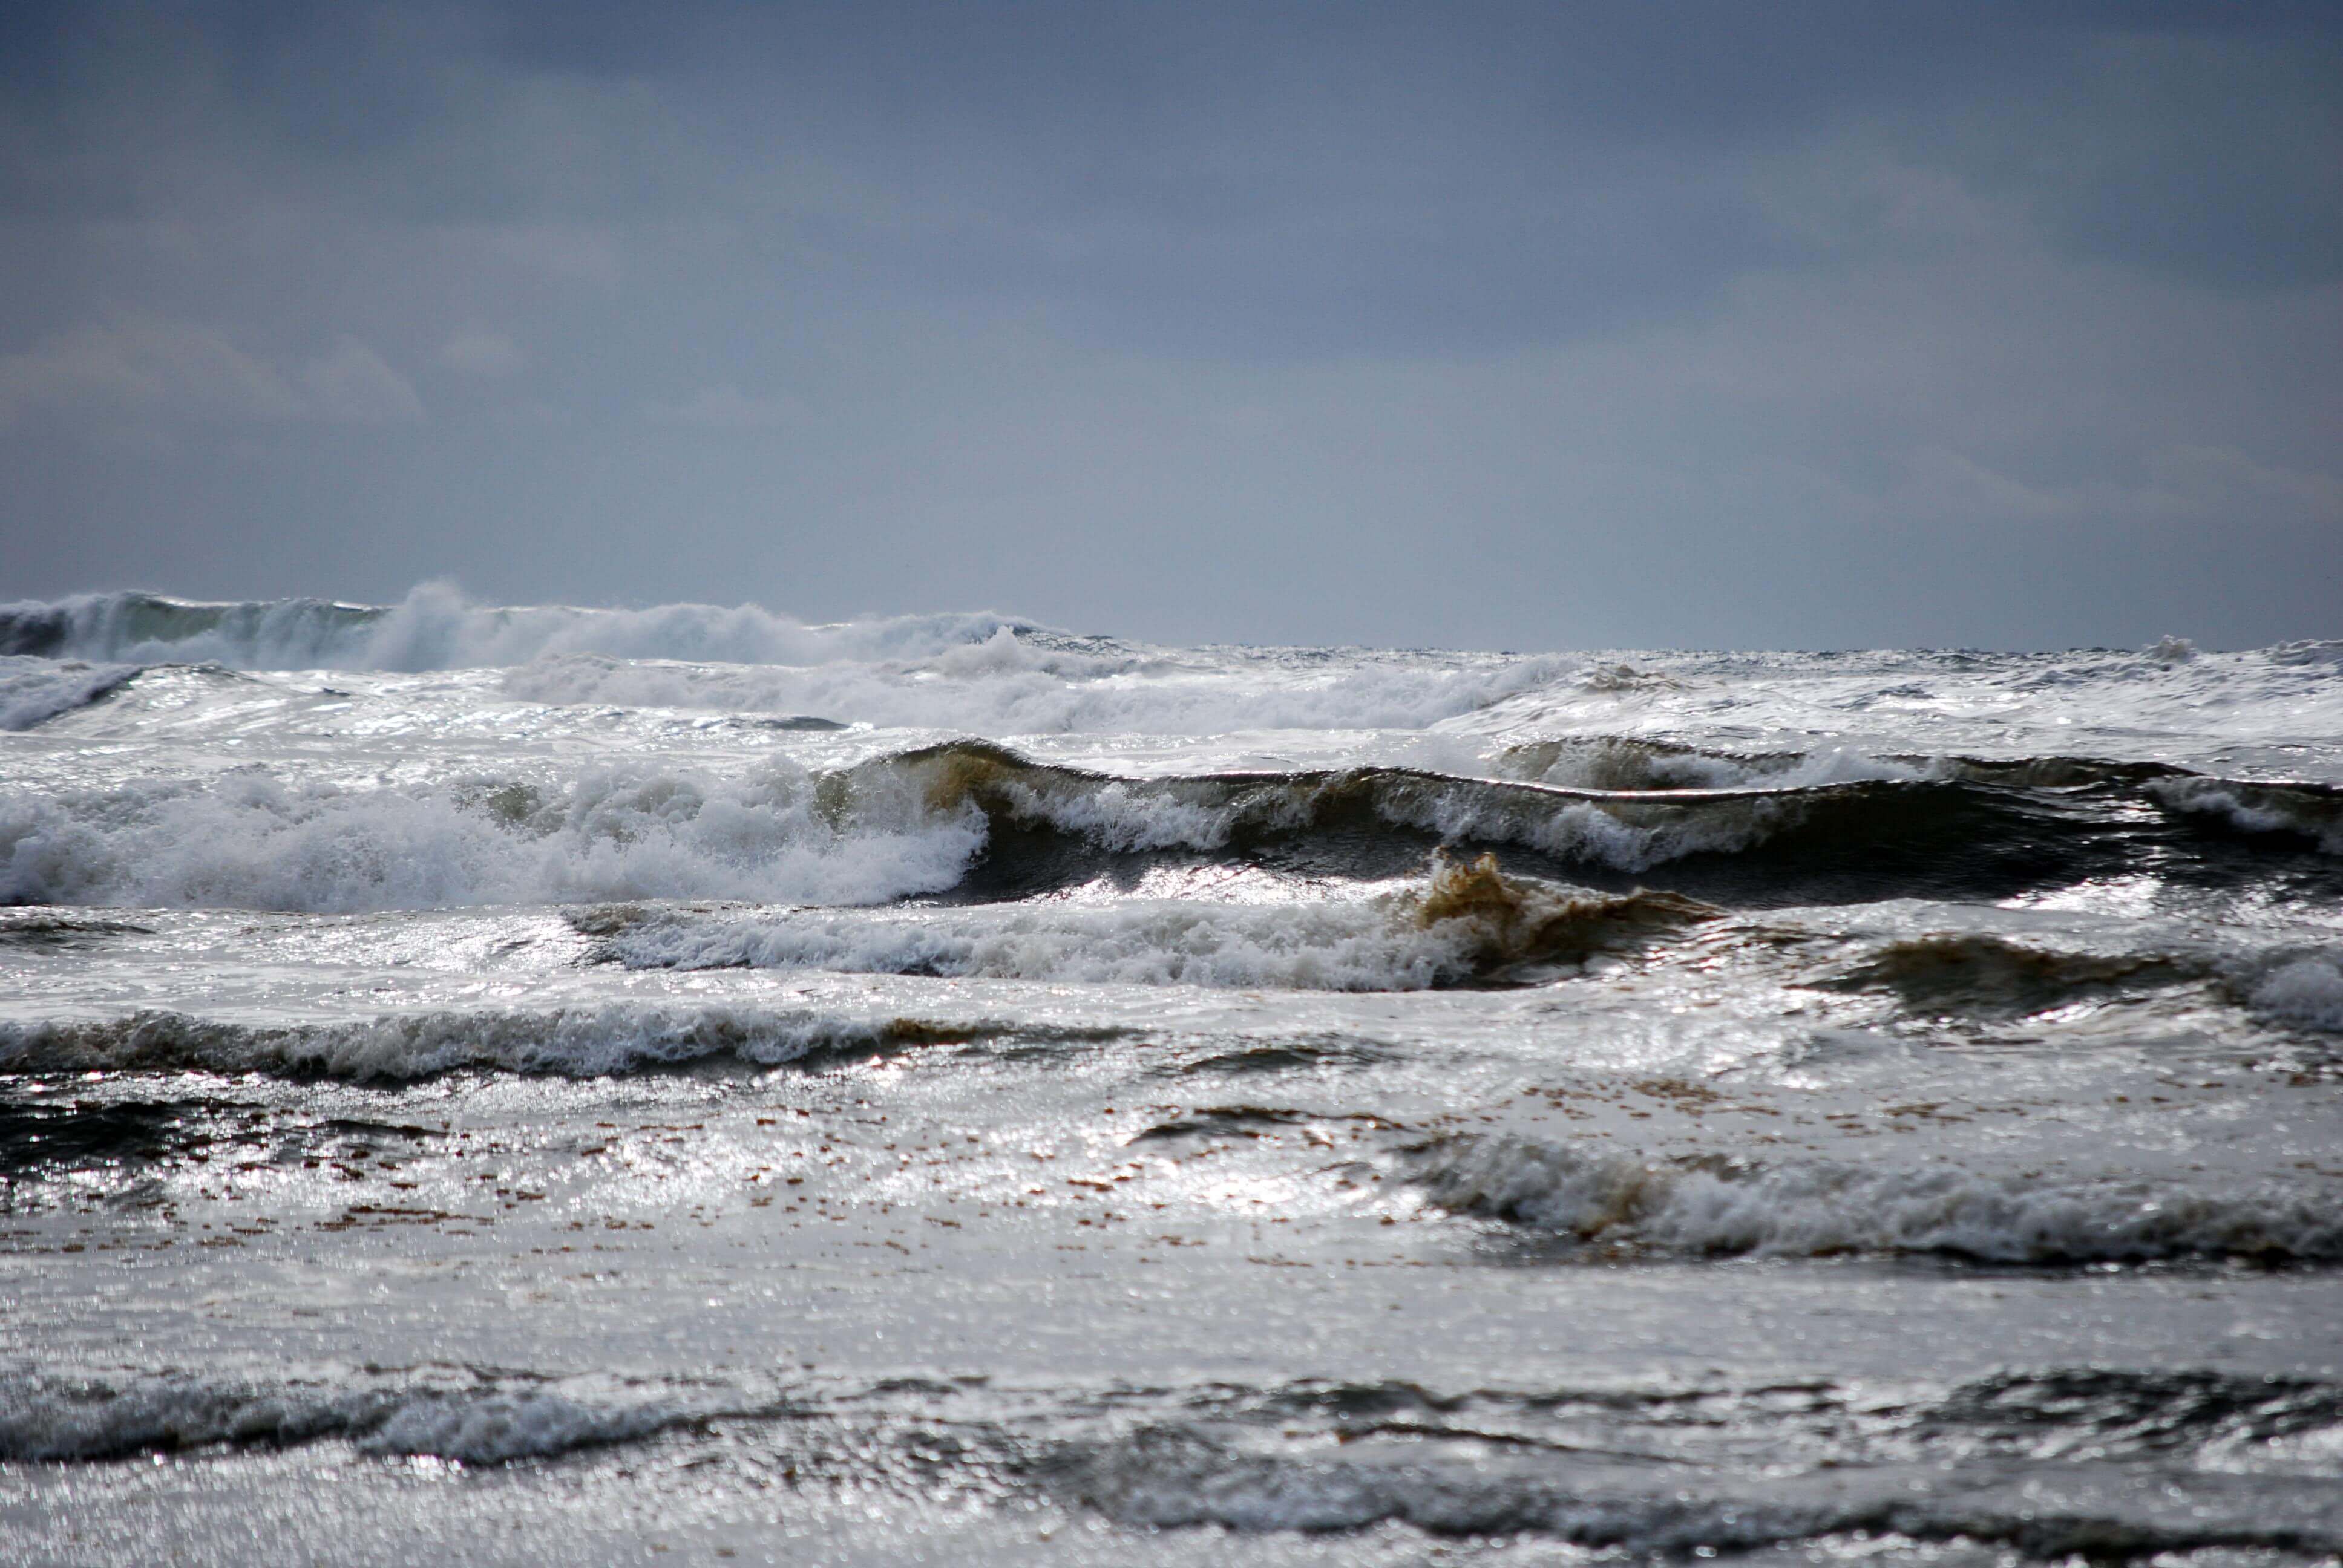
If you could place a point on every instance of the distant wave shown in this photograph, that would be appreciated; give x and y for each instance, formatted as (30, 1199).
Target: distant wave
(976, 672)
(437, 628)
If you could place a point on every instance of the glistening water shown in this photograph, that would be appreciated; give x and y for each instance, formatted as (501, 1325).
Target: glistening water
(546, 1086)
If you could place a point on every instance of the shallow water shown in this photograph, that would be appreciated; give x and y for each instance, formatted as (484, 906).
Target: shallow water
(542, 1085)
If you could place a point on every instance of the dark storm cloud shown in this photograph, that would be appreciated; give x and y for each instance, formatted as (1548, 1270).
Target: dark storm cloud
(1403, 323)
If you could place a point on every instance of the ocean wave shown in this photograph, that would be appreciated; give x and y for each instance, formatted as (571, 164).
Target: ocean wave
(1821, 1209)
(437, 628)
(1013, 684)
(922, 821)
(2221, 1420)
(979, 672)
(1619, 763)
(1173, 1475)
(35, 690)
(1620, 831)
(2305, 991)
(471, 1419)
(1467, 922)
(572, 1043)
(1612, 762)
(1980, 973)
(914, 822)
(249, 840)
(2311, 811)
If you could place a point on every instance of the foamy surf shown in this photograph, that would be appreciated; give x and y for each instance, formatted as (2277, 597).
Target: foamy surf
(1819, 1209)
(471, 1418)
(1466, 922)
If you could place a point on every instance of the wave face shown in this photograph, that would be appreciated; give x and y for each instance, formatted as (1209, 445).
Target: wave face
(931, 1086)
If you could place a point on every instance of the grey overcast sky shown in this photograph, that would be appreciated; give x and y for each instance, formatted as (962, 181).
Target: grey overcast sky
(1662, 323)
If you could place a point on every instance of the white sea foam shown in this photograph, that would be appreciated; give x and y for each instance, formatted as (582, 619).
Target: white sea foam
(2305, 991)
(1320, 946)
(574, 1042)
(2277, 712)
(500, 1427)
(1819, 1208)
(251, 841)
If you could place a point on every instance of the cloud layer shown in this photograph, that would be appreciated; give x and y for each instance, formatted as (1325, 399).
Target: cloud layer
(1670, 323)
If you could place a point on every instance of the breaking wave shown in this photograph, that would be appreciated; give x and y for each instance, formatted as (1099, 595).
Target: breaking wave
(2305, 991)
(1468, 922)
(249, 840)
(437, 628)
(1173, 1475)
(472, 1418)
(1022, 682)
(1821, 1208)
(35, 690)
(571, 1042)
(917, 822)
(980, 672)
(2310, 812)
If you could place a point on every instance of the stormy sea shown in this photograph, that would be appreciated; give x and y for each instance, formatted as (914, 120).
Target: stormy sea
(543, 1085)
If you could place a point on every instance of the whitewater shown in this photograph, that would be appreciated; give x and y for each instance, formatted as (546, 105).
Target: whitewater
(540, 1084)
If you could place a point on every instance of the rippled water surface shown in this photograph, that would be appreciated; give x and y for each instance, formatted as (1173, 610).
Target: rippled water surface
(543, 1085)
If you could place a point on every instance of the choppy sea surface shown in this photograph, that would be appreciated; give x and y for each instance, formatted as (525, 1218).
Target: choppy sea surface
(542, 1085)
